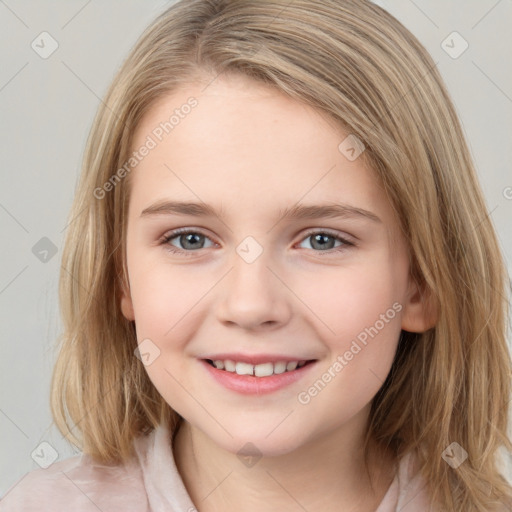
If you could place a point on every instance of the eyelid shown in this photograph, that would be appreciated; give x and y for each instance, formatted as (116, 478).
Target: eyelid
(180, 231)
(345, 237)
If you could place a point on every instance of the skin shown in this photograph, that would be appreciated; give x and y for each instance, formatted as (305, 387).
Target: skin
(251, 150)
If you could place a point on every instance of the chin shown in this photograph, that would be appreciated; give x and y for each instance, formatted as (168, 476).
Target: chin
(258, 444)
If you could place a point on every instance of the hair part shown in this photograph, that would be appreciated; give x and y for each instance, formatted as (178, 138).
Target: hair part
(367, 74)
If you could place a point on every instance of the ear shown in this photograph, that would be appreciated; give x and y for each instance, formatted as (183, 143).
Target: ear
(126, 303)
(420, 311)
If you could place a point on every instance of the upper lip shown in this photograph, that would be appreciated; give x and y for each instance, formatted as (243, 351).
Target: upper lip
(256, 358)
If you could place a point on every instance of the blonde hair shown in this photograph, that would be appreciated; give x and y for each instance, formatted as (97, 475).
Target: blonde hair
(358, 65)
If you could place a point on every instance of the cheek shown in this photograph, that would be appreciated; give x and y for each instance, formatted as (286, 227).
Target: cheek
(360, 312)
(348, 300)
(163, 301)
(165, 297)
(364, 323)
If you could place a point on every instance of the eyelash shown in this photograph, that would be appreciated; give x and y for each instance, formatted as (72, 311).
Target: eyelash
(170, 236)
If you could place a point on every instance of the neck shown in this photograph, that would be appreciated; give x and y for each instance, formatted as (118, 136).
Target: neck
(317, 476)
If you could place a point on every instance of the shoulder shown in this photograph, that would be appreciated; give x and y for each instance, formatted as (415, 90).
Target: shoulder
(413, 491)
(78, 484)
(408, 491)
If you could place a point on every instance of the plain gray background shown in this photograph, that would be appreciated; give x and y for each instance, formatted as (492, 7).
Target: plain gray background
(47, 106)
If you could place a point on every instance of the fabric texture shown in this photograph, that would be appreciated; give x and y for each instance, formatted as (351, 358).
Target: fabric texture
(151, 482)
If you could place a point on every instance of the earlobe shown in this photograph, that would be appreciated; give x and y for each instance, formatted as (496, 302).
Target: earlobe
(127, 304)
(127, 308)
(420, 312)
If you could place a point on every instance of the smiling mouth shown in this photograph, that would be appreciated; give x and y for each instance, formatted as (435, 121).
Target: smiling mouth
(258, 370)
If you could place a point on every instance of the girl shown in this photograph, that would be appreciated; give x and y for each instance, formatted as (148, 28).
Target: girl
(266, 369)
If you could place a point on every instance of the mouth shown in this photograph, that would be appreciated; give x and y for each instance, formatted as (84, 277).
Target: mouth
(262, 370)
(257, 374)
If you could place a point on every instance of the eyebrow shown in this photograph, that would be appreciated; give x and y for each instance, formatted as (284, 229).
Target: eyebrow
(296, 212)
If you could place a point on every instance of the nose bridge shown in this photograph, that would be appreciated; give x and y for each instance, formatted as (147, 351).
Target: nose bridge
(250, 274)
(253, 294)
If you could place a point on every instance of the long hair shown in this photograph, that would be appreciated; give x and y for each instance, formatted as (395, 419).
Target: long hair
(358, 65)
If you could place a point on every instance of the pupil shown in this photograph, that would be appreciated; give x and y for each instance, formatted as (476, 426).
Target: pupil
(188, 238)
(319, 238)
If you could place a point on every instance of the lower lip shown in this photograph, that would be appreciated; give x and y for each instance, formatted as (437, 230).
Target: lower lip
(251, 385)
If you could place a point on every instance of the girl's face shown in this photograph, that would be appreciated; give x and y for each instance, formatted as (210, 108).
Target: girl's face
(248, 281)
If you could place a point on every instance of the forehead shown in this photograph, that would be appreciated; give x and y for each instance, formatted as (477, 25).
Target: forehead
(245, 144)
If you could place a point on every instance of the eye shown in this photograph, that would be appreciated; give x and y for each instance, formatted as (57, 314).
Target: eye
(191, 241)
(323, 241)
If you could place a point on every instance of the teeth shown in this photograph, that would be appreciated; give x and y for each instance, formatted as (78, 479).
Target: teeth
(229, 366)
(280, 367)
(244, 368)
(264, 370)
(259, 370)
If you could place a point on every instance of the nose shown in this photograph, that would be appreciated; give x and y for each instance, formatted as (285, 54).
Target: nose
(254, 296)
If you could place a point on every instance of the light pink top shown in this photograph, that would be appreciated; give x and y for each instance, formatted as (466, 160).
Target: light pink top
(151, 482)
